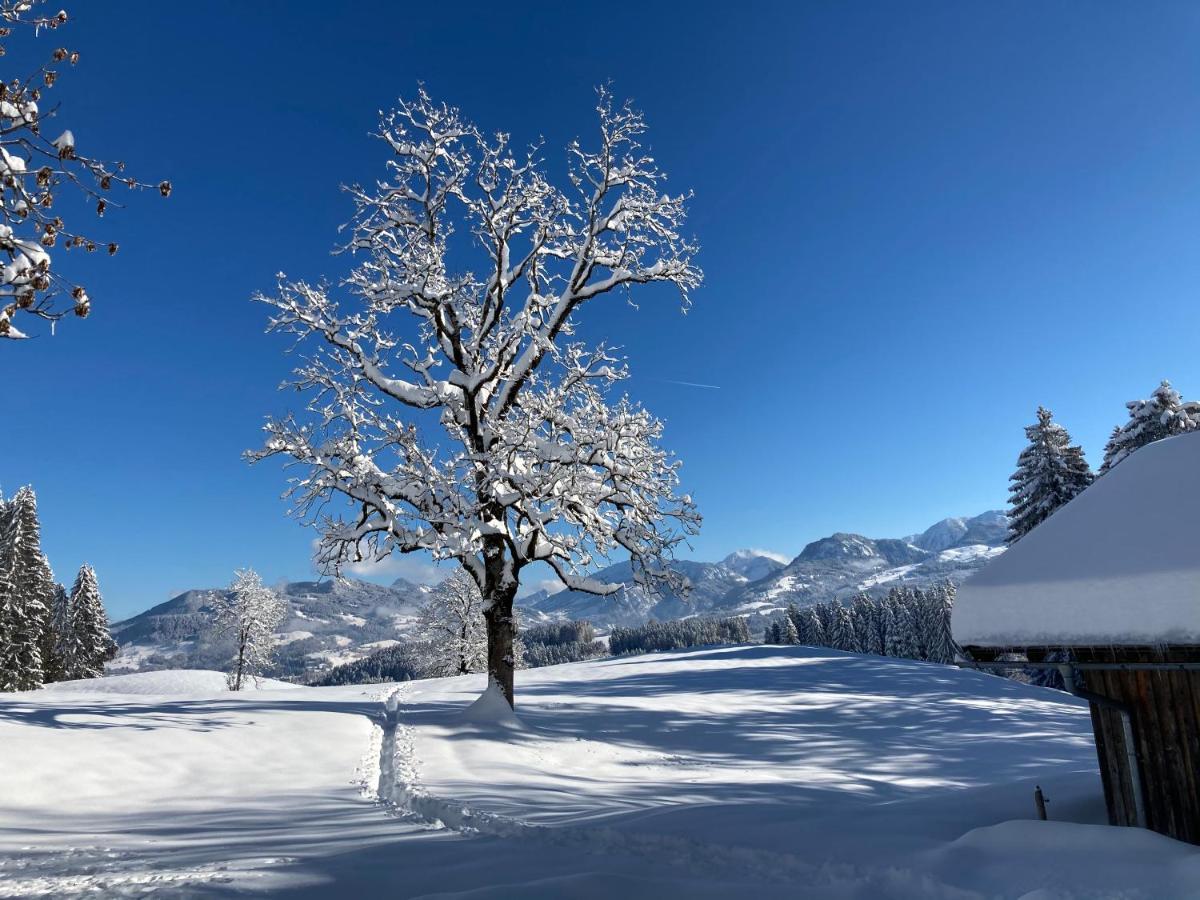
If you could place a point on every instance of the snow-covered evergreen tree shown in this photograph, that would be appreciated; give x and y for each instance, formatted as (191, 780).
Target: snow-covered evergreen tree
(26, 591)
(37, 170)
(451, 409)
(451, 628)
(249, 612)
(1051, 471)
(814, 630)
(940, 644)
(87, 644)
(862, 616)
(881, 627)
(903, 638)
(57, 627)
(790, 634)
(1163, 414)
(841, 634)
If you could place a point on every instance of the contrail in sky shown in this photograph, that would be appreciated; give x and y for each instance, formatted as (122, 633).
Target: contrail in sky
(711, 387)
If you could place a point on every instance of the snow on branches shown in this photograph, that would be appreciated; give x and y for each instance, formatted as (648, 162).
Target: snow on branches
(539, 464)
(1163, 414)
(249, 612)
(451, 628)
(1051, 471)
(35, 171)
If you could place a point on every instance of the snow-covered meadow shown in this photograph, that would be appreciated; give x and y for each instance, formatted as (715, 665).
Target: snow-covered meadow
(786, 771)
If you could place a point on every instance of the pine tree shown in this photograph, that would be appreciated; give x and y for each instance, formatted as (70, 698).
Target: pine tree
(814, 628)
(1164, 414)
(26, 591)
(87, 644)
(881, 626)
(903, 640)
(841, 635)
(53, 636)
(790, 634)
(1051, 471)
(941, 646)
(862, 614)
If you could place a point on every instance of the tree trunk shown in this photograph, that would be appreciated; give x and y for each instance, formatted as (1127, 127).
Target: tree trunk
(500, 634)
(237, 682)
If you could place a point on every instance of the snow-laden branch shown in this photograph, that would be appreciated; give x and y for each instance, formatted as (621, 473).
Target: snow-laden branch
(35, 172)
(536, 464)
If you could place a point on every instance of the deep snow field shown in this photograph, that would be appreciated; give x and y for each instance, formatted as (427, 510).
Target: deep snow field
(749, 772)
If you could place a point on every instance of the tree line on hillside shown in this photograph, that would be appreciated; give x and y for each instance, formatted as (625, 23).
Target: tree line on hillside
(46, 633)
(1052, 471)
(678, 635)
(910, 623)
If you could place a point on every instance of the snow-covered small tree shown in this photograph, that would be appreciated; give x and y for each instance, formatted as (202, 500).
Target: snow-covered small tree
(87, 644)
(535, 462)
(1164, 414)
(1051, 471)
(789, 634)
(36, 170)
(249, 612)
(451, 628)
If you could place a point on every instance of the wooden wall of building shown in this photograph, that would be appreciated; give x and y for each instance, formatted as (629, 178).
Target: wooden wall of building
(1165, 709)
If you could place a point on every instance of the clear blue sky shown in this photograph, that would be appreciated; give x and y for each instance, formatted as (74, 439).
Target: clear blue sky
(919, 221)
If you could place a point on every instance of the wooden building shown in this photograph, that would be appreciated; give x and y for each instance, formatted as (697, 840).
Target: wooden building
(1111, 582)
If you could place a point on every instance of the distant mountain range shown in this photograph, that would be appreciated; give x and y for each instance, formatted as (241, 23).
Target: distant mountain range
(339, 621)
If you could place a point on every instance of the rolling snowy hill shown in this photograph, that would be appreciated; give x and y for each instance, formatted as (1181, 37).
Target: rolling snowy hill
(763, 771)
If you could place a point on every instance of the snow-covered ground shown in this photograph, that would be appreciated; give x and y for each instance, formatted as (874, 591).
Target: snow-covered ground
(781, 771)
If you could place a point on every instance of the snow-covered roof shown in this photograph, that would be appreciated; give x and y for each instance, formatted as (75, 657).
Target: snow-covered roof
(1119, 564)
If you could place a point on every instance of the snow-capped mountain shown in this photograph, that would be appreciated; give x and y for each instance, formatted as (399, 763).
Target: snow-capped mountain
(844, 564)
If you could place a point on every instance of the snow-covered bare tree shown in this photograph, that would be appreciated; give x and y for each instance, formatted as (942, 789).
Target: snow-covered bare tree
(36, 170)
(451, 628)
(1163, 414)
(535, 464)
(249, 612)
(1051, 471)
(87, 644)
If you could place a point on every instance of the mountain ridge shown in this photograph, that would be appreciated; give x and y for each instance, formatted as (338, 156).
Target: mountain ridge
(339, 620)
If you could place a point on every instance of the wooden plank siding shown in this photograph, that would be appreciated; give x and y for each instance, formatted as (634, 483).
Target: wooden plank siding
(1165, 711)
(1164, 708)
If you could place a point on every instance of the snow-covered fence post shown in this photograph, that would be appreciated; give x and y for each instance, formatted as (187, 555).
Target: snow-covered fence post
(535, 463)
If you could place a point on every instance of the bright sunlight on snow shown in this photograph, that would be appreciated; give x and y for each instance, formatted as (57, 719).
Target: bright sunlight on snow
(706, 773)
